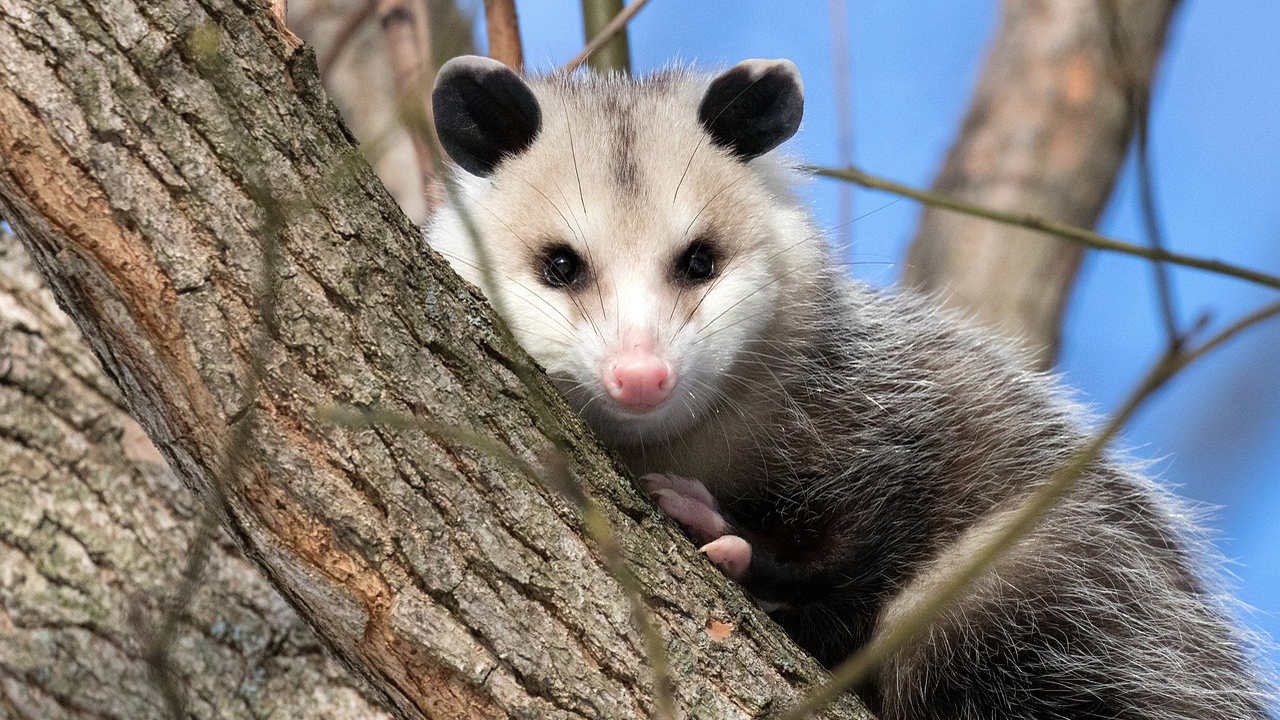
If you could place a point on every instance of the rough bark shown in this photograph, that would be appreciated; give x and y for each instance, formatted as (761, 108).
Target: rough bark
(1046, 134)
(153, 154)
(94, 533)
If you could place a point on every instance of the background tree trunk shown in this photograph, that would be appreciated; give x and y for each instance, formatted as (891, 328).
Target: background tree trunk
(155, 157)
(94, 533)
(1047, 134)
(347, 38)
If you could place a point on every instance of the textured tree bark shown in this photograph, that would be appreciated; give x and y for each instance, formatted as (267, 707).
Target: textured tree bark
(155, 156)
(1046, 134)
(94, 532)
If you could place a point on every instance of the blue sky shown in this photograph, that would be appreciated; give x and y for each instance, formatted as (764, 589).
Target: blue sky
(1215, 434)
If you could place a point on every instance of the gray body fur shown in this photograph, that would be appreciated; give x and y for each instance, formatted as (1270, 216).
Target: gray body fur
(862, 442)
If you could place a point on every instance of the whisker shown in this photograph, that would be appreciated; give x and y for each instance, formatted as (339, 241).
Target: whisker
(741, 300)
(567, 325)
(573, 233)
(728, 264)
(574, 154)
(510, 229)
(689, 228)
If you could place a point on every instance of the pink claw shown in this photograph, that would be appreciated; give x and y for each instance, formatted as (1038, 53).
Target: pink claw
(699, 520)
(731, 554)
(691, 489)
(689, 503)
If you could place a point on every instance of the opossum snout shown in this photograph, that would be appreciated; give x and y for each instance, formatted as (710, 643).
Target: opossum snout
(637, 377)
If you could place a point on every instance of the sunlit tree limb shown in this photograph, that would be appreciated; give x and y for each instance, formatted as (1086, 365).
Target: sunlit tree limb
(1046, 134)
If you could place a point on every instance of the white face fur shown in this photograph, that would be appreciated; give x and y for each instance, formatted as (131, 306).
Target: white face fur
(636, 236)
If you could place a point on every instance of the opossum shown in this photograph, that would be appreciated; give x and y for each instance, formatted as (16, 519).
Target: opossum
(835, 449)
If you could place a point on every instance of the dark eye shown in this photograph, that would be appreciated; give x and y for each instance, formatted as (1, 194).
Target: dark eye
(561, 267)
(698, 263)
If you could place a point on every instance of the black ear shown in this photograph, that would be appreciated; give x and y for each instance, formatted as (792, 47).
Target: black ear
(754, 107)
(483, 112)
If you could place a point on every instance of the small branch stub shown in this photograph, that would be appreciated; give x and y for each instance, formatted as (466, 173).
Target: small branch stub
(503, 26)
(614, 55)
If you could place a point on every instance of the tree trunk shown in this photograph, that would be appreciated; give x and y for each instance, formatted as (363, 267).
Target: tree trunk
(1046, 134)
(360, 82)
(155, 157)
(94, 530)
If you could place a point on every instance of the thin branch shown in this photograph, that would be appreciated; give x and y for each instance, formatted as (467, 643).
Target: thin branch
(1046, 77)
(350, 417)
(838, 19)
(616, 56)
(854, 670)
(503, 27)
(1078, 235)
(1151, 219)
(1140, 106)
(606, 540)
(157, 640)
(354, 22)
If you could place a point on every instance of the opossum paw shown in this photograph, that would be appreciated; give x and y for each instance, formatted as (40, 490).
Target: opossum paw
(731, 554)
(693, 489)
(689, 503)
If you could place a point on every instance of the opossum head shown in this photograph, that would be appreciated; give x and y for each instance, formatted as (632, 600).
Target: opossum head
(634, 233)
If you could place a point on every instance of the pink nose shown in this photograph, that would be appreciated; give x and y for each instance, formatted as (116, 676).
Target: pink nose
(638, 379)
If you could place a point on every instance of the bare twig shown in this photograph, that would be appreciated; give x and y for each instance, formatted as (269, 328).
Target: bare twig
(1140, 107)
(279, 11)
(350, 27)
(1151, 219)
(838, 20)
(1045, 133)
(606, 540)
(503, 26)
(605, 23)
(855, 670)
(426, 65)
(157, 640)
(358, 418)
(1078, 235)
